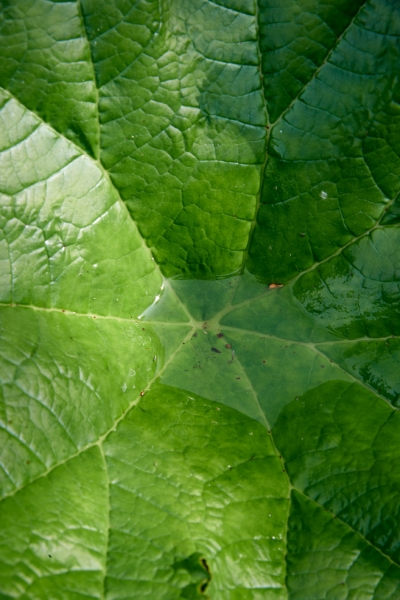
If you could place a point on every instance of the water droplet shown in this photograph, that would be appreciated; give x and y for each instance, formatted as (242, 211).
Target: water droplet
(124, 387)
(95, 266)
(323, 195)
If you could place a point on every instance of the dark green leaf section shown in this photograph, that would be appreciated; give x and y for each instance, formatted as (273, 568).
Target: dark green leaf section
(348, 465)
(182, 124)
(45, 63)
(256, 375)
(273, 313)
(205, 367)
(53, 535)
(356, 294)
(296, 37)
(325, 181)
(373, 361)
(328, 560)
(191, 477)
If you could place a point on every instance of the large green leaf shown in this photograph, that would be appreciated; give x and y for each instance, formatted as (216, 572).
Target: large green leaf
(199, 300)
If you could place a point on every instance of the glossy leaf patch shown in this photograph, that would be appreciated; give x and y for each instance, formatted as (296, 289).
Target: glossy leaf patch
(199, 300)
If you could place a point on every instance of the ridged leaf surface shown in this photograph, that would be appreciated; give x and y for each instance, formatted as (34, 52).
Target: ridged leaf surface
(199, 300)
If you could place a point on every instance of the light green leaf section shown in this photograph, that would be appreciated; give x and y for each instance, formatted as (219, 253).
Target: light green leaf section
(188, 477)
(60, 391)
(53, 535)
(63, 222)
(171, 424)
